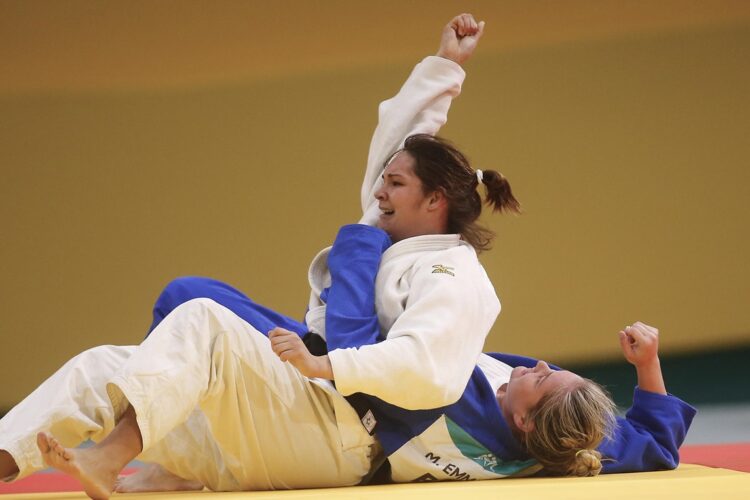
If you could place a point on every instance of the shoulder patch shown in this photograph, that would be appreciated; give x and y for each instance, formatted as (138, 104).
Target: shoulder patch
(441, 269)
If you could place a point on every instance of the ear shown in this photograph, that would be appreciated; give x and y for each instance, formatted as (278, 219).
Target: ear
(437, 201)
(523, 423)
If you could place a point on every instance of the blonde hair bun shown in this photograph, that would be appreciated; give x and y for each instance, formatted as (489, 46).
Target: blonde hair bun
(586, 463)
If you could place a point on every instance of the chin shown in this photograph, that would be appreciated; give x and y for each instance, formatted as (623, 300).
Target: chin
(395, 236)
(388, 230)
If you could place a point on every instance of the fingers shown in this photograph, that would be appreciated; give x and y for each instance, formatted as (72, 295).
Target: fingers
(42, 442)
(284, 343)
(466, 25)
(624, 341)
(642, 332)
(635, 337)
(646, 328)
(278, 331)
(640, 344)
(285, 350)
(480, 30)
(460, 38)
(638, 338)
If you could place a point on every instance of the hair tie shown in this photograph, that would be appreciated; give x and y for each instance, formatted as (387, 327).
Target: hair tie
(480, 176)
(578, 453)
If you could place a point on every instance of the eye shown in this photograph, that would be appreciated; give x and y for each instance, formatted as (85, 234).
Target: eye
(541, 379)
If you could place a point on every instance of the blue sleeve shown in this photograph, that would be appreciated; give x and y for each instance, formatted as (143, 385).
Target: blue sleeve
(351, 319)
(649, 435)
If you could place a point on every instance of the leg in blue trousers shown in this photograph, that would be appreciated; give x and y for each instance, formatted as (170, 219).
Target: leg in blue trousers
(187, 288)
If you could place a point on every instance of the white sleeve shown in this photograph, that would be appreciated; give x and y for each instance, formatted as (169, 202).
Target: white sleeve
(433, 346)
(420, 107)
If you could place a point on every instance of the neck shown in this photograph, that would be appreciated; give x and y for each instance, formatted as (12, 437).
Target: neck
(431, 226)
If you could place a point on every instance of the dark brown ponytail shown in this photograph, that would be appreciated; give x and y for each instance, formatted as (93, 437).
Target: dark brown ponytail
(499, 195)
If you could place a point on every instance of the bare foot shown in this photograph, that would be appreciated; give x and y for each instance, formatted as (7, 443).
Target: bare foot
(95, 473)
(154, 477)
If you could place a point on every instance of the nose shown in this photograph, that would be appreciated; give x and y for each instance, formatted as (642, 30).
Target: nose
(542, 367)
(380, 193)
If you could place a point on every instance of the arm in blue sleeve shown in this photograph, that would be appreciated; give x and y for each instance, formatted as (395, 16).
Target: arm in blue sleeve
(649, 436)
(351, 319)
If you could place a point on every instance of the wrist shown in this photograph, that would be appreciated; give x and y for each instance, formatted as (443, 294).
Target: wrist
(650, 377)
(323, 367)
(450, 57)
(651, 364)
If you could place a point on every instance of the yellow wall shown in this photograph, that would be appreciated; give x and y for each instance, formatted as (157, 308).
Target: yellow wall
(630, 156)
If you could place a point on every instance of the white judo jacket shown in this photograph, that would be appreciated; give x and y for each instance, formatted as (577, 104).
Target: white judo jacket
(434, 301)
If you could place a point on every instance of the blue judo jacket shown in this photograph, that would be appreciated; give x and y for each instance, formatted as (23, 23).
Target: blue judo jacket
(646, 438)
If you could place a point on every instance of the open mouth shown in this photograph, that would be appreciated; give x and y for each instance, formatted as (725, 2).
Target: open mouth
(387, 212)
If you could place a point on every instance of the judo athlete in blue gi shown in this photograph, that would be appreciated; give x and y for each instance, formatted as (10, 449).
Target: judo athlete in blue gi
(474, 438)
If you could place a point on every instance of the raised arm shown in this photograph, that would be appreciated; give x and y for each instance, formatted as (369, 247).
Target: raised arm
(653, 429)
(421, 106)
(640, 346)
(434, 343)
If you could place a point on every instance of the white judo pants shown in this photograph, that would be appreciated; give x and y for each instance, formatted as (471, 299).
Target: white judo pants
(213, 403)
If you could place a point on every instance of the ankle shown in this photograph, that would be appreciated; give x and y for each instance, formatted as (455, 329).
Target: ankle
(123, 444)
(107, 457)
(8, 466)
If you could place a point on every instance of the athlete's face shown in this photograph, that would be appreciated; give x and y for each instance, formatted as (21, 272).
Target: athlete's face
(527, 386)
(405, 210)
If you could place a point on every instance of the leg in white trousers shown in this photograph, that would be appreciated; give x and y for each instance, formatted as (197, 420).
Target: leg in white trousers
(213, 404)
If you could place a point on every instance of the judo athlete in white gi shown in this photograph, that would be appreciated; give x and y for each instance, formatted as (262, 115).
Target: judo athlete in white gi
(435, 324)
(206, 397)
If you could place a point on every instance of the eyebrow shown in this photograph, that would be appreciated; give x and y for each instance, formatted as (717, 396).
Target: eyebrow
(544, 379)
(395, 174)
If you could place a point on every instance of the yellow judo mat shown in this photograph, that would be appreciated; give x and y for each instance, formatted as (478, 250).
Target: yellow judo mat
(688, 481)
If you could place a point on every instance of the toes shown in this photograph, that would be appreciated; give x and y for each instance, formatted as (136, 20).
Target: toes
(42, 442)
(58, 448)
(51, 449)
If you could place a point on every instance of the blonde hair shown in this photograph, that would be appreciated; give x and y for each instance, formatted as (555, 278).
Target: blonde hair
(568, 426)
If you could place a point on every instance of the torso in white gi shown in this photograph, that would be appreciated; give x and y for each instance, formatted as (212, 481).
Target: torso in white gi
(434, 300)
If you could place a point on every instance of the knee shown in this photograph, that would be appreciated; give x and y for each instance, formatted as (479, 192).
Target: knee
(181, 290)
(202, 315)
(102, 358)
(198, 306)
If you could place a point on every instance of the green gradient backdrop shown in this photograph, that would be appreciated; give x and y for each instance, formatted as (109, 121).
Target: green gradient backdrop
(629, 155)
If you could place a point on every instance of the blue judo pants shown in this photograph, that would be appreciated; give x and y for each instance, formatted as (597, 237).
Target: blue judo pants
(187, 288)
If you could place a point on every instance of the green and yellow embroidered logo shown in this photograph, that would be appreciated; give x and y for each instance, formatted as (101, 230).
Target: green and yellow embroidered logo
(480, 455)
(441, 269)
